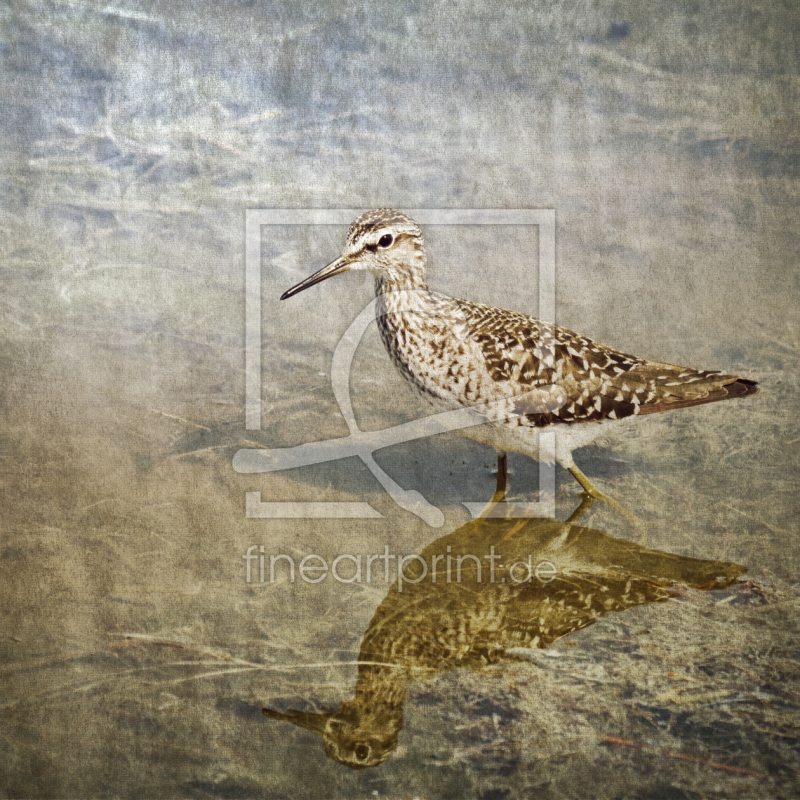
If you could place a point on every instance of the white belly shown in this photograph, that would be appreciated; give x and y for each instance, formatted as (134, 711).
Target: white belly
(531, 442)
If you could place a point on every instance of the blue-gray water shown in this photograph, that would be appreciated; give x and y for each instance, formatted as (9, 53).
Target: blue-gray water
(134, 136)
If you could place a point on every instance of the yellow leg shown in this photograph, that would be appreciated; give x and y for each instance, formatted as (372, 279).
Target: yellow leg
(502, 478)
(598, 495)
(587, 501)
(568, 524)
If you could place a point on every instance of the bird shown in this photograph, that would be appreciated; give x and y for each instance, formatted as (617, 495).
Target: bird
(537, 376)
(466, 616)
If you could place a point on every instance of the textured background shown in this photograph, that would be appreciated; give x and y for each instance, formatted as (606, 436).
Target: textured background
(133, 136)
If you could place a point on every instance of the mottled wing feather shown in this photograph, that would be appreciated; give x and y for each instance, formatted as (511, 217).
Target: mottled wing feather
(600, 382)
(736, 387)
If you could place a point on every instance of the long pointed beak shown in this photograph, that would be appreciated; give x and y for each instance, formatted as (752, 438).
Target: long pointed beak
(304, 719)
(334, 268)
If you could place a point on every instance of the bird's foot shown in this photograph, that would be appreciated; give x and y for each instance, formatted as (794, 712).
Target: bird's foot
(587, 501)
(596, 494)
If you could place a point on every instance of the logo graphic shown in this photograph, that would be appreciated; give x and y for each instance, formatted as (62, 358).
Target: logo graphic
(362, 443)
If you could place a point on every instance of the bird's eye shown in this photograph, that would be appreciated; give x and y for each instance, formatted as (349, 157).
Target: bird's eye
(385, 240)
(362, 752)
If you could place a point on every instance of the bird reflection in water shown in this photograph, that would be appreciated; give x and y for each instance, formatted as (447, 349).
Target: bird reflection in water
(424, 628)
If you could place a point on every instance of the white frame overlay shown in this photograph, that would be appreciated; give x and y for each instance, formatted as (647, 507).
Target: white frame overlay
(360, 443)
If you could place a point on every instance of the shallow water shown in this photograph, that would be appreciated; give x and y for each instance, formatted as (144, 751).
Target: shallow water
(136, 657)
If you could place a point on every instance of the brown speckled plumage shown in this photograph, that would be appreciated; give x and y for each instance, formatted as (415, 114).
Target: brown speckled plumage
(456, 352)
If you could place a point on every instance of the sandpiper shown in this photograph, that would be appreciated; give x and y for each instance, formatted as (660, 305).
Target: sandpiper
(457, 353)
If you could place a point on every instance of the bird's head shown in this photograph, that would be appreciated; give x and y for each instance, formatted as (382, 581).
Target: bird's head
(360, 734)
(387, 243)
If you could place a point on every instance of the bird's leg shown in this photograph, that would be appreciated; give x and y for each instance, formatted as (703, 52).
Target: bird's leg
(499, 495)
(585, 483)
(568, 524)
(587, 501)
(598, 495)
(502, 478)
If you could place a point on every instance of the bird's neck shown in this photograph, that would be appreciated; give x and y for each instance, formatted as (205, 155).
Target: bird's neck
(395, 301)
(407, 273)
(404, 289)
